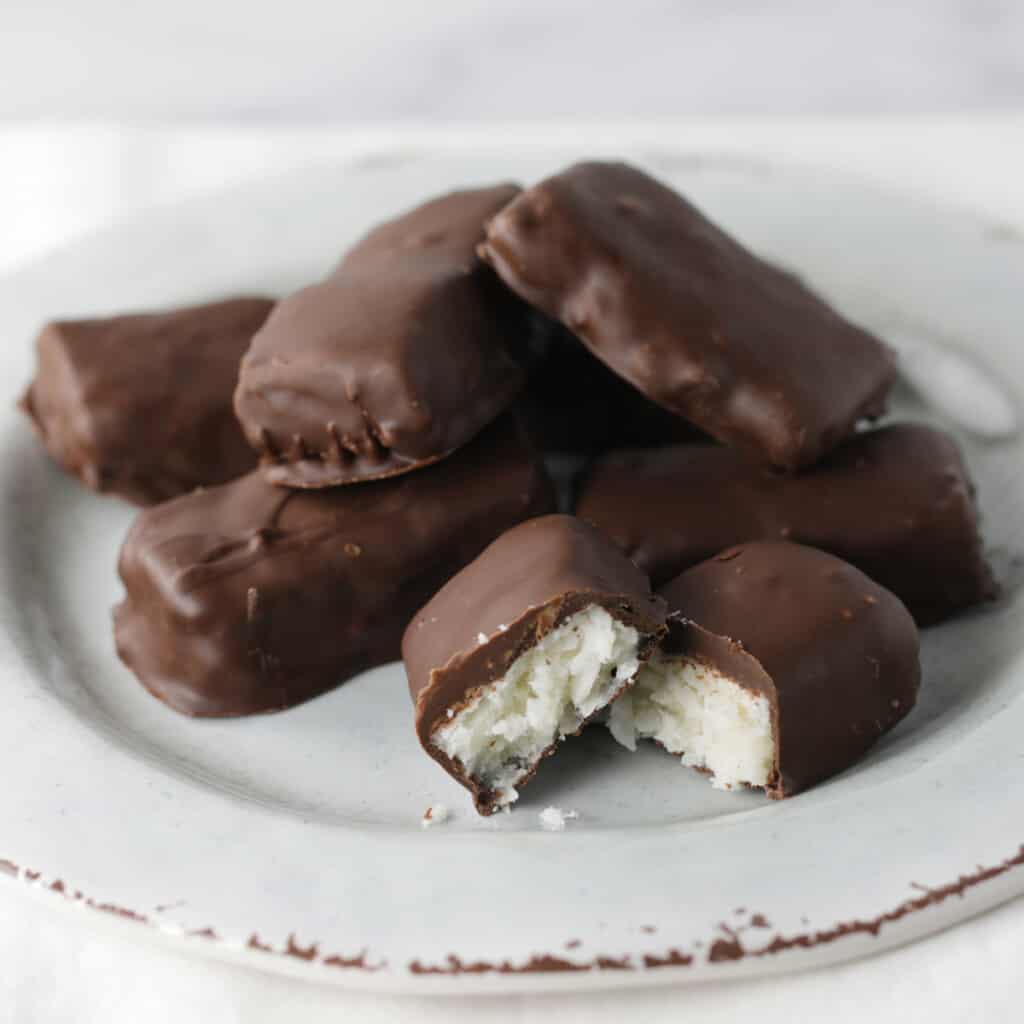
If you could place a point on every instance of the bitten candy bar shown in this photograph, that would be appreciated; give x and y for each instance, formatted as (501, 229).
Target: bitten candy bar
(247, 597)
(687, 315)
(782, 666)
(896, 502)
(140, 405)
(522, 648)
(395, 360)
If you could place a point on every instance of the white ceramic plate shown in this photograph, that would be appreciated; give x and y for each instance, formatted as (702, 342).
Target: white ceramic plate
(294, 841)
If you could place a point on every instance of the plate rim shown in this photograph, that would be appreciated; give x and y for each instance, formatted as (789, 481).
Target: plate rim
(289, 955)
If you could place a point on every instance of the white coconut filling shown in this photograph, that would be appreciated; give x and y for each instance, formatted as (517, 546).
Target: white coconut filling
(700, 714)
(545, 695)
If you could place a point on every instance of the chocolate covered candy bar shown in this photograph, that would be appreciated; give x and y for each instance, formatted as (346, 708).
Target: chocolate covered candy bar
(575, 404)
(395, 360)
(247, 597)
(140, 406)
(782, 666)
(896, 502)
(687, 315)
(522, 648)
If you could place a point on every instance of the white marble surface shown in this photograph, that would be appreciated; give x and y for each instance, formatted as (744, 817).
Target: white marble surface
(454, 59)
(56, 967)
(58, 179)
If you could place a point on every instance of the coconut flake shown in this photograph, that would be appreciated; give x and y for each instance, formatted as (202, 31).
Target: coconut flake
(553, 819)
(435, 814)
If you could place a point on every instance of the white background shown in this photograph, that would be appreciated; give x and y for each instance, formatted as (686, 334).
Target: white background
(108, 106)
(450, 59)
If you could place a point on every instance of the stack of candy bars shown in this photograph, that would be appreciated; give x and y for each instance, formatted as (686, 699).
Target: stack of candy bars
(355, 474)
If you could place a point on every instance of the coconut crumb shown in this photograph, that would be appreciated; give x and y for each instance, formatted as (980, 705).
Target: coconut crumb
(436, 814)
(553, 819)
(481, 638)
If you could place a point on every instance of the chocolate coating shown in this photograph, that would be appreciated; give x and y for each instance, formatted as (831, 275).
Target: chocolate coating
(524, 585)
(140, 405)
(688, 316)
(896, 502)
(247, 598)
(835, 654)
(575, 404)
(394, 361)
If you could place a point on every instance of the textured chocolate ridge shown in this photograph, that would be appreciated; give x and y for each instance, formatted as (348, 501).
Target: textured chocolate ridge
(394, 361)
